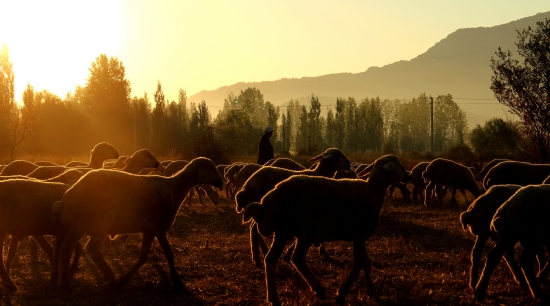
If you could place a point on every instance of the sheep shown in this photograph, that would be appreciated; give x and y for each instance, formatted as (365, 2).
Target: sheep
(475, 172)
(477, 219)
(140, 159)
(100, 152)
(76, 163)
(117, 164)
(524, 218)
(244, 174)
(419, 185)
(267, 177)
(175, 166)
(444, 172)
(46, 172)
(45, 163)
(514, 172)
(229, 177)
(107, 202)
(360, 167)
(287, 163)
(488, 167)
(27, 211)
(319, 209)
(18, 167)
(165, 163)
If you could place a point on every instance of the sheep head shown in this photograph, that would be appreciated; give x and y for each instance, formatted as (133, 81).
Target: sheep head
(206, 171)
(386, 169)
(332, 159)
(140, 159)
(101, 152)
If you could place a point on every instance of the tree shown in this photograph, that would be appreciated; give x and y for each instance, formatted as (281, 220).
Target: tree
(7, 99)
(496, 139)
(524, 86)
(158, 121)
(107, 101)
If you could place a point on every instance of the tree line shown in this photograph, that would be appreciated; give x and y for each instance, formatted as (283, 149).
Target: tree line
(102, 110)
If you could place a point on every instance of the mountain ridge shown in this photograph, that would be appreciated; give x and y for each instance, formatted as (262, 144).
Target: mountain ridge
(457, 64)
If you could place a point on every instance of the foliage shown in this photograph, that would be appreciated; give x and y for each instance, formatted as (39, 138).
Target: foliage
(7, 100)
(496, 139)
(524, 86)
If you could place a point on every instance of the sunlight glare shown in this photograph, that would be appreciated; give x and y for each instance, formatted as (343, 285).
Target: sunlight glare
(53, 43)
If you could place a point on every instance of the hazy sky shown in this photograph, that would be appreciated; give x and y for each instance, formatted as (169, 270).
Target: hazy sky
(203, 45)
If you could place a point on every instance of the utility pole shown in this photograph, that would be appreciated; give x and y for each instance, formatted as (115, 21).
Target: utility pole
(432, 125)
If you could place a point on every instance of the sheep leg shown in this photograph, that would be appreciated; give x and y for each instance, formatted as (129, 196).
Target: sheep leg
(360, 261)
(481, 240)
(146, 242)
(514, 267)
(199, 194)
(415, 194)
(14, 245)
(64, 247)
(453, 196)
(190, 195)
(271, 263)
(299, 262)
(257, 243)
(94, 249)
(6, 280)
(439, 194)
(46, 246)
(542, 277)
(527, 262)
(428, 194)
(74, 265)
(169, 254)
(492, 261)
(405, 192)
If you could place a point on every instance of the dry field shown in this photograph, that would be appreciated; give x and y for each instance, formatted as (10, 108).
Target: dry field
(420, 256)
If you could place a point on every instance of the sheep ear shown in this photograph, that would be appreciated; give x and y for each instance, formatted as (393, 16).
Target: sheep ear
(389, 166)
(316, 158)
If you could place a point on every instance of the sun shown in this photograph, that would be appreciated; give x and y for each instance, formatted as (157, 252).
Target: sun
(53, 43)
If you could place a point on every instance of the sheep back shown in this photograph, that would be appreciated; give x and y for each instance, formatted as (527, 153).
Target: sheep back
(480, 213)
(525, 215)
(337, 213)
(25, 206)
(18, 167)
(518, 173)
(446, 172)
(287, 163)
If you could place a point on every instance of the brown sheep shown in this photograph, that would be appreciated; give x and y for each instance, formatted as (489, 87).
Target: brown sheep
(47, 172)
(244, 174)
(488, 167)
(287, 163)
(524, 218)
(316, 209)
(444, 172)
(518, 173)
(107, 202)
(419, 185)
(26, 207)
(175, 166)
(265, 179)
(18, 167)
(100, 153)
(115, 164)
(478, 218)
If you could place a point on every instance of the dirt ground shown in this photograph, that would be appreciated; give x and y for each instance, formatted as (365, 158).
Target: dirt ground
(420, 257)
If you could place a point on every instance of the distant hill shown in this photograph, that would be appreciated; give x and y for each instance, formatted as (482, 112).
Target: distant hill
(458, 64)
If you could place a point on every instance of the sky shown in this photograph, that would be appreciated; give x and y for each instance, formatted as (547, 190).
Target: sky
(203, 45)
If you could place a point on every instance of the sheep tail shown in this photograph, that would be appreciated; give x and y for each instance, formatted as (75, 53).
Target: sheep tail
(466, 218)
(254, 211)
(57, 208)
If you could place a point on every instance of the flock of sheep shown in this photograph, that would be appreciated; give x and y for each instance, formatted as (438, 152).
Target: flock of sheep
(334, 200)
